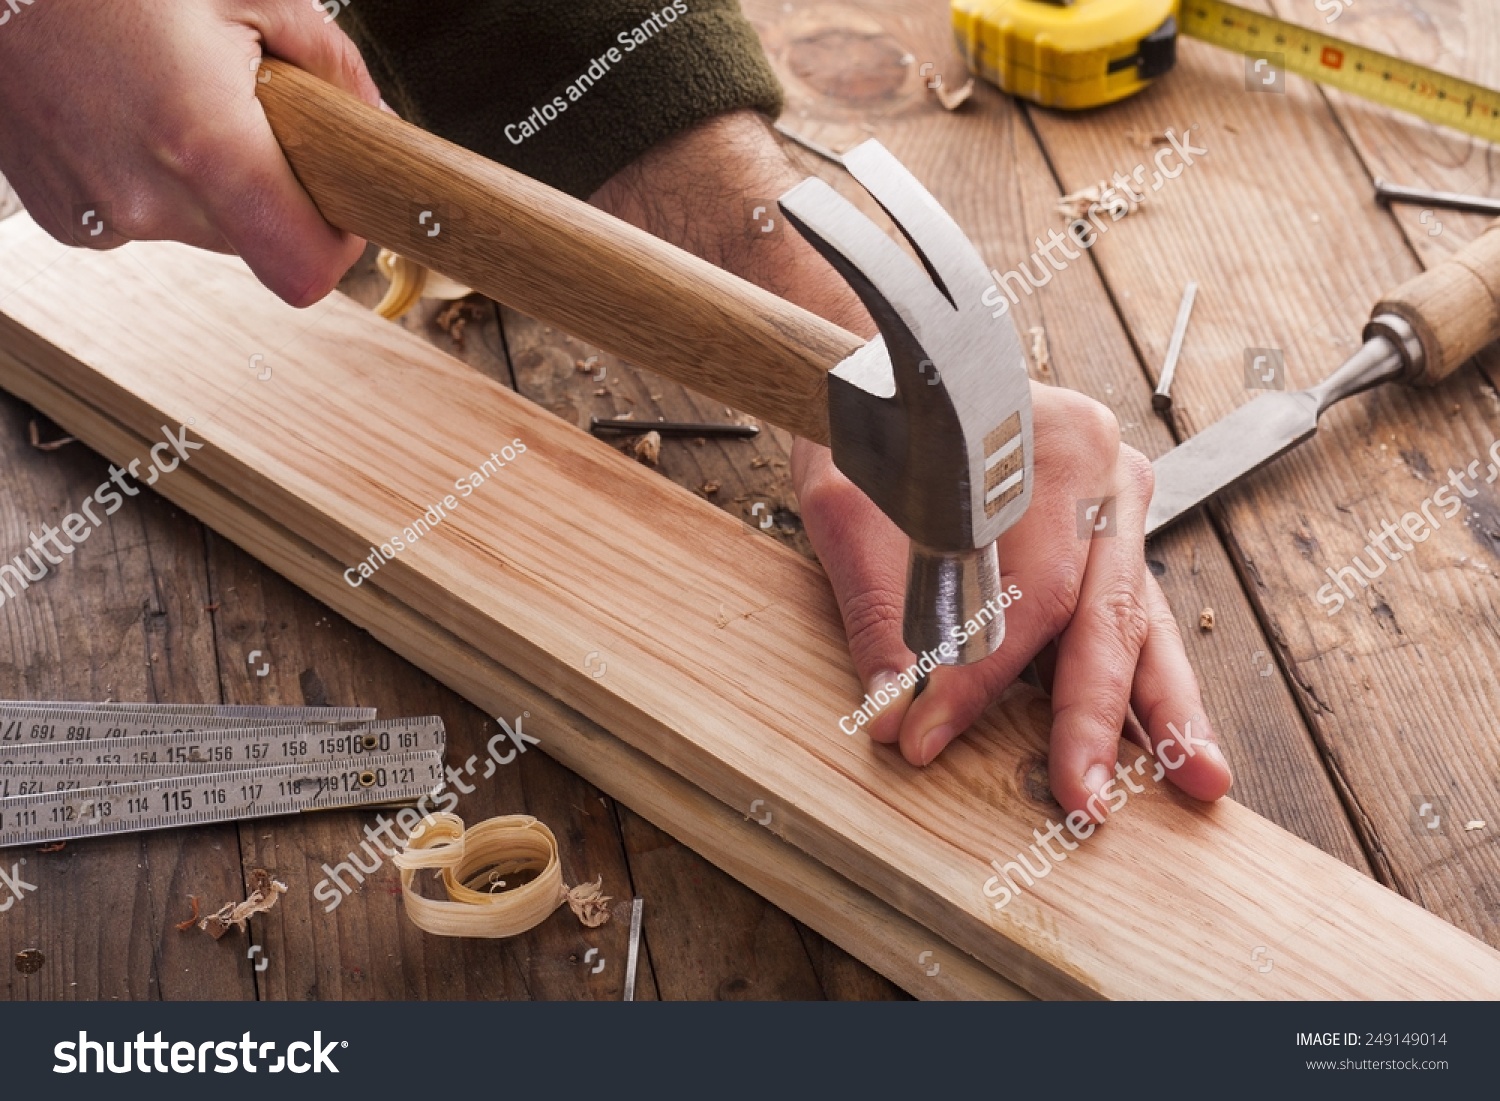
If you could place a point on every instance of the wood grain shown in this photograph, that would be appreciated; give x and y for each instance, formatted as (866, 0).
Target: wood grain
(726, 662)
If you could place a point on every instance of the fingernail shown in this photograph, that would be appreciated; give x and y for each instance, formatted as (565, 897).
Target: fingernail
(884, 688)
(1216, 755)
(1095, 780)
(934, 741)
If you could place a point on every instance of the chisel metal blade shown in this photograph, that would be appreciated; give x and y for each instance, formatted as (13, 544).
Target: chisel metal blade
(1226, 451)
(1258, 432)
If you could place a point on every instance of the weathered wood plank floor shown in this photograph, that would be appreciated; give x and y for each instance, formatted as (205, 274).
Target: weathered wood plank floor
(1340, 727)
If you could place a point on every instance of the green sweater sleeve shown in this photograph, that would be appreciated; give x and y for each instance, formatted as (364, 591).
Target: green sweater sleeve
(566, 92)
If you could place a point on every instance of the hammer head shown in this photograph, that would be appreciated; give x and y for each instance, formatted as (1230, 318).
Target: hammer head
(931, 419)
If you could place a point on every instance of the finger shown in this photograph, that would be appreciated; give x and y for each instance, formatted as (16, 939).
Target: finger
(1099, 650)
(864, 555)
(254, 201)
(1044, 559)
(297, 32)
(1167, 701)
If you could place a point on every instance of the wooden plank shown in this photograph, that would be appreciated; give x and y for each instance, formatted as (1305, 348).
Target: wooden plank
(726, 659)
(1398, 684)
(854, 73)
(805, 888)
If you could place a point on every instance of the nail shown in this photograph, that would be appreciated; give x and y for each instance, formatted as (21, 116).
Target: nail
(934, 741)
(1216, 755)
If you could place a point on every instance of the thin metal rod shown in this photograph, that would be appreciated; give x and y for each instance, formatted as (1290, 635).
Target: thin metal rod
(1161, 401)
(1447, 200)
(633, 956)
(629, 427)
(808, 144)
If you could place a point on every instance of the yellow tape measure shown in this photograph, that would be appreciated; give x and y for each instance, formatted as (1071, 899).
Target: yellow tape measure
(1090, 52)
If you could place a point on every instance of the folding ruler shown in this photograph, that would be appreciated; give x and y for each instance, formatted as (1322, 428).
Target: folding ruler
(83, 770)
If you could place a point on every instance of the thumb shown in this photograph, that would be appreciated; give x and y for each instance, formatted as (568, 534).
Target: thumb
(298, 32)
(864, 555)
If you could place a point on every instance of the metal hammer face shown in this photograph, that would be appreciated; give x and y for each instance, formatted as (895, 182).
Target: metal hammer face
(931, 419)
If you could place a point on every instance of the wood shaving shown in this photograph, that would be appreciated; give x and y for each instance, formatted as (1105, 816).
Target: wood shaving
(1206, 619)
(1145, 140)
(955, 99)
(455, 318)
(647, 449)
(1041, 355)
(588, 903)
(34, 431)
(184, 926)
(756, 464)
(54, 848)
(1116, 201)
(264, 893)
(1477, 824)
(708, 489)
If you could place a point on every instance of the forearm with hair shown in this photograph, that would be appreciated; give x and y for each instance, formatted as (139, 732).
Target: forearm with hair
(697, 190)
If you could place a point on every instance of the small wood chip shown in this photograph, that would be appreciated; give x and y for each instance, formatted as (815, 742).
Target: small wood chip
(264, 893)
(186, 924)
(57, 847)
(1041, 355)
(647, 449)
(955, 99)
(708, 489)
(1206, 619)
(1477, 824)
(34, 431)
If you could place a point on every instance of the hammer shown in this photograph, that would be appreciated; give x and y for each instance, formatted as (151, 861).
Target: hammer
(931, 419)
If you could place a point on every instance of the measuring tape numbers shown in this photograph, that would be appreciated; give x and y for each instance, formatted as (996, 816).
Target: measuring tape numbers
(1086, 53)
(192, 798)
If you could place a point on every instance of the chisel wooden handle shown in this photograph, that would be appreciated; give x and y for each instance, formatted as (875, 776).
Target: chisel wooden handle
(551, 256)
(1454, 308)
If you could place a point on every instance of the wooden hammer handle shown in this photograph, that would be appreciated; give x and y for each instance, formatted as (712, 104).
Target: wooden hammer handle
(553, 257)
(1454, 308)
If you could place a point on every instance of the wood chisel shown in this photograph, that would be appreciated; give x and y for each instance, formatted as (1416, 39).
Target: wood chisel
(1420, 334)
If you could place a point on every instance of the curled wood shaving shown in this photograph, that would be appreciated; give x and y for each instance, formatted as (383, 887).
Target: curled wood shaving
(589, 903)
(264, 893)
(647, 449)
(184, 926)
(410, 282)
(486, 855)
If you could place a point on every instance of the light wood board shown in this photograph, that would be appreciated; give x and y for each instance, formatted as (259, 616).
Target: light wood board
(724, 657)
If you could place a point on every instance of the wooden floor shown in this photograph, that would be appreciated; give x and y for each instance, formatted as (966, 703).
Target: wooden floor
(1372, 733)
